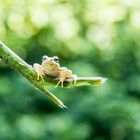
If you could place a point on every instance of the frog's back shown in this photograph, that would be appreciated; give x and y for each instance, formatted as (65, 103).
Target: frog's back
(51, 69)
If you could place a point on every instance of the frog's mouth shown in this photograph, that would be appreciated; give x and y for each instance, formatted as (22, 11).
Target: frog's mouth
(52, 62)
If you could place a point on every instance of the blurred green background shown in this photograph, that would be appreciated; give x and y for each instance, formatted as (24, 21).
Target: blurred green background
(92, 38)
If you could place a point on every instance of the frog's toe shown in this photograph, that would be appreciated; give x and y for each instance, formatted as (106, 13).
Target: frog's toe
(74, 78)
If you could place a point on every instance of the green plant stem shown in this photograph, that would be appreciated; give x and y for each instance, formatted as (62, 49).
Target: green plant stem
(14, 61)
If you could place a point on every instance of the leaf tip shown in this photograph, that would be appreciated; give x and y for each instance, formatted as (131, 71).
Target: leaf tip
(103, 80)
(62, 105)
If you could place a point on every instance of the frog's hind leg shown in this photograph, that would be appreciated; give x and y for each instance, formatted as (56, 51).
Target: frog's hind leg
(60, 81)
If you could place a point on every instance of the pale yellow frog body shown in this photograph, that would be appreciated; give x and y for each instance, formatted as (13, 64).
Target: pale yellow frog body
(50, 66)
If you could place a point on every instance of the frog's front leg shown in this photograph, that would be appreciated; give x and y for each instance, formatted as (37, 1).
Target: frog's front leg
(38, 69)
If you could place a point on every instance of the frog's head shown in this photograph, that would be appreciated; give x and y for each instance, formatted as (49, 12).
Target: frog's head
(50, 59)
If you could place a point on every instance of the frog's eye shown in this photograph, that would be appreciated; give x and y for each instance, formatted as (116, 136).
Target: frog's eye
(45, 57)
(56, 59)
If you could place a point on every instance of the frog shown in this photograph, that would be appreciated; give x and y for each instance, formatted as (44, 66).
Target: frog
(50, 66)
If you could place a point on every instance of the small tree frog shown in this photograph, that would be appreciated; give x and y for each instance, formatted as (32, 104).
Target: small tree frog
(50, 66)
